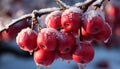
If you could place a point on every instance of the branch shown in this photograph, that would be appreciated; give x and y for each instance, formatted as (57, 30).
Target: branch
(14, 21)
(46, 11)
(41, 12)
(26, 16)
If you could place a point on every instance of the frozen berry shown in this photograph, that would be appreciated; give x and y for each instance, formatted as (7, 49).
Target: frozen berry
(27, 39)
(71, 19)
(83, 53)
(47, 39)
(53, 20)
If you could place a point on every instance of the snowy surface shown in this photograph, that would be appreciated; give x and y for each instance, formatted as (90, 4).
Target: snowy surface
(56, 13)
(72, 9)
(49, 30)
(48, 9)
(91, 14)
(79, 4)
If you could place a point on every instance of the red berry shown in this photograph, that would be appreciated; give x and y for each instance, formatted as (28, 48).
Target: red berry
(83, 53)
(117, 31)
(53, 20)
(44, 58)
(47, 39)
(86, 36)
(111, 10)
(66, 42)
(105, 34)
(71, 19)
(26, 39)
(93, 22)
(65, 56)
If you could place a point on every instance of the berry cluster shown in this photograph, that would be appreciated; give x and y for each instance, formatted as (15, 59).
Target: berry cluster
(68, 36)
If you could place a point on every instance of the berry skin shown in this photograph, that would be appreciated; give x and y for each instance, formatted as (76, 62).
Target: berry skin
(93, 22)
(65, 56)
(53, 20)
(27, 39)
(66, 42)
(86, 36)
(71, 19)
(44, 58)
(83, 53)
(47, 39)
(111, 10)
(105, 34)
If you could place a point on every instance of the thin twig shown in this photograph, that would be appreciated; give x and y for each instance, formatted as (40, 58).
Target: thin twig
(99, 5)
(61, 4)
(39, 27)
(33, 19)
(81, 36)
(85, 6)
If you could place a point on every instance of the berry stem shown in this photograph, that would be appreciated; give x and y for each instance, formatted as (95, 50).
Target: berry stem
(81, 37)
(85, 6)
(34, 19)
(61, 4)
(99, 5)
(39, 27)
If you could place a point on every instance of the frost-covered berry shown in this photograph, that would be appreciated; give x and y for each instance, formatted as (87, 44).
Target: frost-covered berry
(47, 39)
(93, 21)
(71, 19)
(27, 39)
(105, 34)
(83, 53)
(66, 42)
(44, 58)
(53, 20)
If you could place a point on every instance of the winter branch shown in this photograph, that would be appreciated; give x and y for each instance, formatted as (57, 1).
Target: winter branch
(41, 12)
(27, 16)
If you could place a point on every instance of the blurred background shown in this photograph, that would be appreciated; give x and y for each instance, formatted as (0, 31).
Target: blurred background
(107, 56)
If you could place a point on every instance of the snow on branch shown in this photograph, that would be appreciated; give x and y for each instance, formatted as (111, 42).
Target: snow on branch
(39, 13)
(14, 21)
(26, 16)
